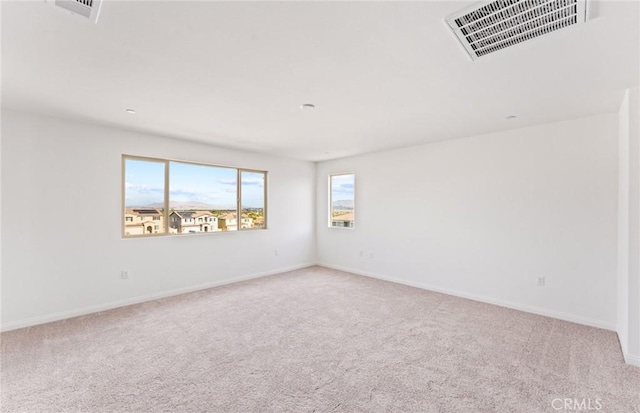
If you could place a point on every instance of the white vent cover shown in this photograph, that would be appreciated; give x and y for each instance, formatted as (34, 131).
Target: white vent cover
(85, 8)
(491, 26)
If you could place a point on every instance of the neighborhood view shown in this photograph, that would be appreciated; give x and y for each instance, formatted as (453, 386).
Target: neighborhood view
(139, 221)
(342, 200)
(202, 198)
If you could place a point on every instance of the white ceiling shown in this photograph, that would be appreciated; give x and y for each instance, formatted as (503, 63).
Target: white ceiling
(382, 74)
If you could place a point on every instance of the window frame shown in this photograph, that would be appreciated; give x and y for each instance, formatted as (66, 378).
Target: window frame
(167, 185)
(330, 196)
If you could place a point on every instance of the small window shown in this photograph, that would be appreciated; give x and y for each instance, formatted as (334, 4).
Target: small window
(342, 201)
(252, 197)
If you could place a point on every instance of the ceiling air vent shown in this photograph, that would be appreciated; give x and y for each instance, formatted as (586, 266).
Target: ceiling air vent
(85, 8)
(491, 26)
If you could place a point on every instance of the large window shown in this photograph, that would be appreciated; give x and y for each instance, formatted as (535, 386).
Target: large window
(341, 200)
(170, 197)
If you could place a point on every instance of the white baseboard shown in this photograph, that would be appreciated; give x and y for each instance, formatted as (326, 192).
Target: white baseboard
(489, 300)
(632, 360)
(14, 325)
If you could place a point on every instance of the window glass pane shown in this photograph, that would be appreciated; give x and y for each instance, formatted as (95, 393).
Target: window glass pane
(252, 196)
(202, 198)
(143, 197)
(342, 200)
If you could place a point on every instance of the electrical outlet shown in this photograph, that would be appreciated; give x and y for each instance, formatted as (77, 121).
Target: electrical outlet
(541, 281)
(124, 274)
(275, 253)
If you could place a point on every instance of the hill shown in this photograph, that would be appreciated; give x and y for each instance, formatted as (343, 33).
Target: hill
(343, 204)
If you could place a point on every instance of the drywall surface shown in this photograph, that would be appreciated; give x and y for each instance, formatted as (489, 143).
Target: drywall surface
(485, 216)
(62, 250)
(629, 227)
(628, 302)
(623, 225)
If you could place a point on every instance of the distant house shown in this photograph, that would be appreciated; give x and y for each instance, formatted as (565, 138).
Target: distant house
(181, 222)
(206, 220)
(246, 222)
(258, 222)
(343, 220)
(229, 222)
(139, 221)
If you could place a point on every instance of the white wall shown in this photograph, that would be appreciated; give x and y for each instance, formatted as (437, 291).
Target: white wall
(622, 322)
(628, 325)
(489, 215)
(65, 172)
(634, 228)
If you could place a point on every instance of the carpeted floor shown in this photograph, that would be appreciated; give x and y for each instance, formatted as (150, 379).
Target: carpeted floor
(315, 340)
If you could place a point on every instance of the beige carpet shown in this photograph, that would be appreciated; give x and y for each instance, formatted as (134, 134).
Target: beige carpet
(314, 340)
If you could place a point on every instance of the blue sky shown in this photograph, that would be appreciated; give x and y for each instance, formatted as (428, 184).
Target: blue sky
(144, 182)
(342, 187)
(214, 186)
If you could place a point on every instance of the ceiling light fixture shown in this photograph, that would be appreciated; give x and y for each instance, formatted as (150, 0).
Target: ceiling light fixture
(307, 106)
(131, 111)
(511, 117)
